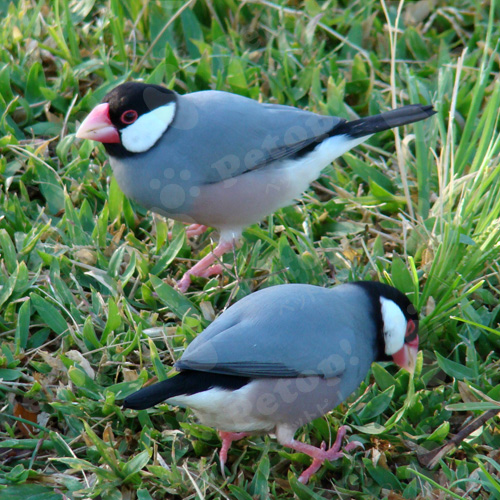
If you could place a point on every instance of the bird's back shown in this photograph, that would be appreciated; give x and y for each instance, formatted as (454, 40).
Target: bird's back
(287, 331)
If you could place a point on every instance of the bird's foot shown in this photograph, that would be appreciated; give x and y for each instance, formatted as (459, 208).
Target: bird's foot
(227, 439)
(192, 230)
(184, 282)
(319, 455)
(212, 270)
(195, 230)
(205, 267)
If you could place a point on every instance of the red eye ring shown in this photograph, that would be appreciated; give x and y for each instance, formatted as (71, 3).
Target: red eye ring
(411, 331)
(129, 116)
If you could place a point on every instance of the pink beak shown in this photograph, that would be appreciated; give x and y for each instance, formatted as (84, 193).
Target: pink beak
(98, 127)
(406, 357)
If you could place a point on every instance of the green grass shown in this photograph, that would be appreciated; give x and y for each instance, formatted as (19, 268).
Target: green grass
(85, 314)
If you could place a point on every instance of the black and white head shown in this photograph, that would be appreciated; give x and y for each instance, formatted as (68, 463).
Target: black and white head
(397, 320)
(131, 118)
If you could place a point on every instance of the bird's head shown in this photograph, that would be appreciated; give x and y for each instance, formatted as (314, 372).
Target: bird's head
(397, 319)
(131, 118)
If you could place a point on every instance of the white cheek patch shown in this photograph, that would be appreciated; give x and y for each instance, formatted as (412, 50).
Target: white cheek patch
(143, 134)
(394, 326)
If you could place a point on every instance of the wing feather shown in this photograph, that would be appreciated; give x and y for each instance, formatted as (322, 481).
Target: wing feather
(230, 134)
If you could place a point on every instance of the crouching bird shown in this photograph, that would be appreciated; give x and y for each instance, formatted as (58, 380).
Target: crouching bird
(218, 159)
(286, 355)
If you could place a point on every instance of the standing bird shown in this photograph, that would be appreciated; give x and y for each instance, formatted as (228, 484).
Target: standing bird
(286, 355)
(218, 159)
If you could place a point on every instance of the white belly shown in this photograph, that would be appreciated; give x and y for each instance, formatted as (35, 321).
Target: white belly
(246, 199)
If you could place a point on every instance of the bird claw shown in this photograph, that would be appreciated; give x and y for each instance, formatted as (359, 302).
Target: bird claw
(227, 438)
(222, 467)
(195, 230)
(183, 284)
(215, 269)
(353, 444)
(191, 230)
(319, 455)
(205, 267)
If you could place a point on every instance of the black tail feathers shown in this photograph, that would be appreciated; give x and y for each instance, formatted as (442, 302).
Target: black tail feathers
(187, 382)
(152, 395)
(390, 119)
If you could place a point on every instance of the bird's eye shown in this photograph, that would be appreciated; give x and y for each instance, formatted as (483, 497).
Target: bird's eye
(411, 331)
(129, 117)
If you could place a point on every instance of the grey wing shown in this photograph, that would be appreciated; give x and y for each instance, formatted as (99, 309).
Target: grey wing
(228, 135)
(286, 331)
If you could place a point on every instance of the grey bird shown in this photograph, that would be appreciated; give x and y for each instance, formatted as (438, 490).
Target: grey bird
(285, 355)
(218, 159)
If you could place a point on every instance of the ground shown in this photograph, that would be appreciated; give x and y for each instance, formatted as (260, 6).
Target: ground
(86, 310)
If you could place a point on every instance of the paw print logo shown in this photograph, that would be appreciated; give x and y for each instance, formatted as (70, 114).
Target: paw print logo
(345, 345)
(336, 363)
(174, 192)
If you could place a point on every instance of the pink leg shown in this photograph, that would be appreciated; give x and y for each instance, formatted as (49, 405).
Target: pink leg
(192, 230)
(204, 268)
(227, 439)
(319, 455)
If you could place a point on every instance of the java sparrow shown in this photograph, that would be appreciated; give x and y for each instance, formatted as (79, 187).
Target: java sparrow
(285, 355)
(218, 159)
